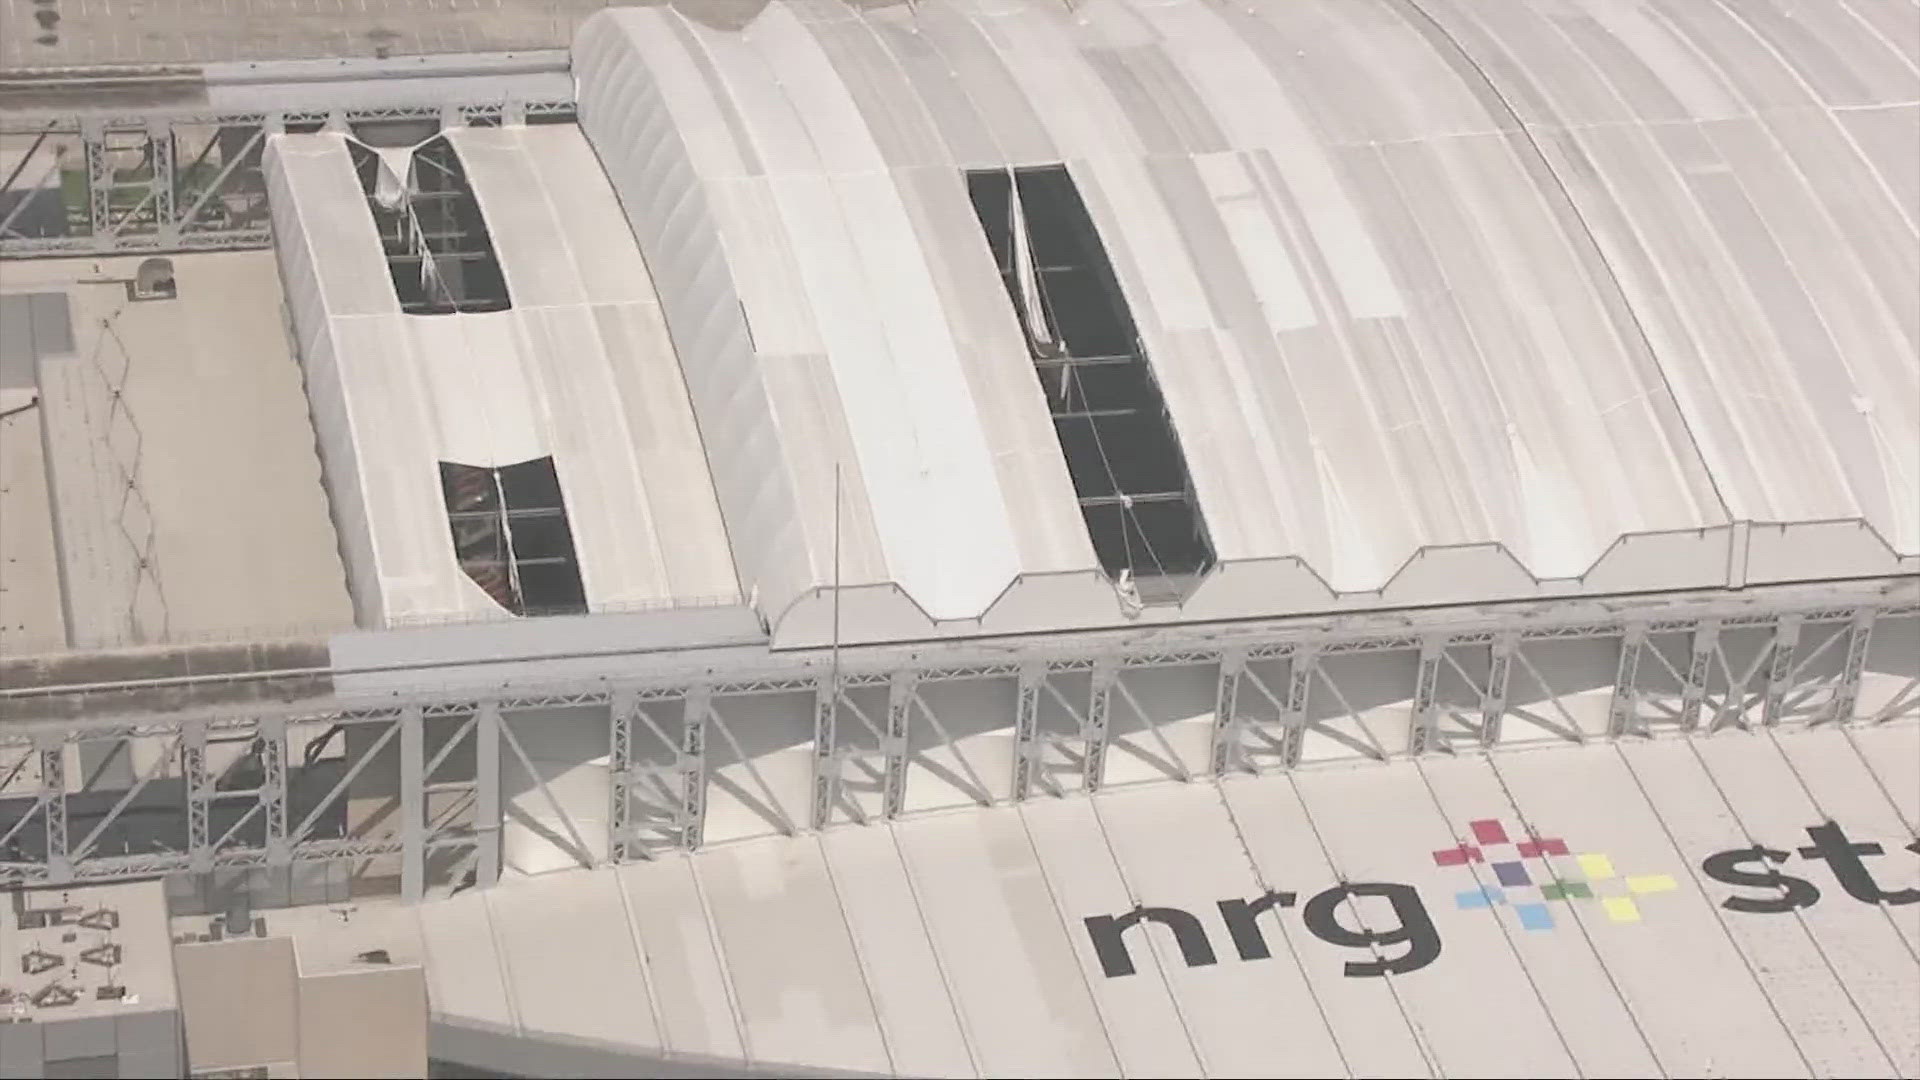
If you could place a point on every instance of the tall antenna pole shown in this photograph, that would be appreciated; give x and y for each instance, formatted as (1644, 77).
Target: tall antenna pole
(836, 585)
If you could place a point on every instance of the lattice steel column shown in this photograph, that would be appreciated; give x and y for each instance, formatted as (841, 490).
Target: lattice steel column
(199, 792)
(1426, 682)
(826, 756)
(1493, 697)
(693, 767)
(1026, 729)
(53, 803)
(272, 734)
(619, 774)
(162, 180)
(1300, 670)
(1706, 638)
(93, 137)
(1623, 711)
(1847, 692)
(1786, 637)
(1226, 711)
(894, 776)
(487, 823)
(1093, 765)
(413, 808)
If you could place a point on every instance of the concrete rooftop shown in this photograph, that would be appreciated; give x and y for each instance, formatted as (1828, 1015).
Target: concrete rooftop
(44, 34)
(164, 488)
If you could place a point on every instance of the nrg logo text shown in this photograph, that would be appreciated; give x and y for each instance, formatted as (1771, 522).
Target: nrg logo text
(1397, 932)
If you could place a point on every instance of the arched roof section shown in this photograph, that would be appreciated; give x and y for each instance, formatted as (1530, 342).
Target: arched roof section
(1446, 301)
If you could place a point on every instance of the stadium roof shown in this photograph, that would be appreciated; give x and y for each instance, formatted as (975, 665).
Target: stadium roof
(1445, 301)
(578, 369)
(1592, 929)
(1018, 316)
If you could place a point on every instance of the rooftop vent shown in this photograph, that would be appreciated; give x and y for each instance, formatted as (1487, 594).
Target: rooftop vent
(105, 918)
(54, 995)
(36, 960)
(153, 281)
(438, 251)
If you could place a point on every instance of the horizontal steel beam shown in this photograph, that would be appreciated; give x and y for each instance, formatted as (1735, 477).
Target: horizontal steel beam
(1309, 660)
(758, 670)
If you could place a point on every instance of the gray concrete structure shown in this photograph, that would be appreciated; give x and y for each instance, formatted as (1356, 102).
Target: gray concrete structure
(88, 985)
(296, 1007)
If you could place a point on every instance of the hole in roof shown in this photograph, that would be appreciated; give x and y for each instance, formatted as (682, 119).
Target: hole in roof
(1122, 452)
(439, 253)
(511, 535)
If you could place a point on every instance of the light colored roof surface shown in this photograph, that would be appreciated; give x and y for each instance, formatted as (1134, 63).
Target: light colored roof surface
(199, 31)
(579, 368)
(1749, 172)
(956, 944)
(364, 1023)
(240, 1003)
(29, 578)
(1444, 299)
(176, 435)
(145, 966)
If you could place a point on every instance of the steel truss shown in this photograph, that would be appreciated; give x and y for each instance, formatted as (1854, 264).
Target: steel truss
(175, 181)
(1268, 699)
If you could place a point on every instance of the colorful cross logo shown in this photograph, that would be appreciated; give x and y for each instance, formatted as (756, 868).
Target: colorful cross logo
(1596, 878)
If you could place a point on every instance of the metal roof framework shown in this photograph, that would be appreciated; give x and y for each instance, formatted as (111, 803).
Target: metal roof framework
(1282, 702)
(184, 180)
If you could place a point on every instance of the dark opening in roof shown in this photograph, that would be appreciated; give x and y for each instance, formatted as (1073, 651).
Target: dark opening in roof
(511, 535)
(438, 251)
(1120, 446)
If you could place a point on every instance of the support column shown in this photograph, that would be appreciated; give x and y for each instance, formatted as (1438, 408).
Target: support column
(1226, 712)
(272, 734)
(1026, 729)
(1426, 710)
(1623, 711)
(199, 793)
(619, 773)
(1493, 698)
(1293, 721)
(93, 136)
(487, 824)
(162, 181)
(1786, 637)
(693, 767)
(53, 804)
(413, 822)
(1706, 638)
(826, 757)
(1846, 694)
(899, 712)
(1093, 766)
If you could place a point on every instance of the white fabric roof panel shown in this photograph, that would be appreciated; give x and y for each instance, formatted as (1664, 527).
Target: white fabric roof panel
(579, 368)
(1768, 248)
(965, 943)
(1447, 303)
